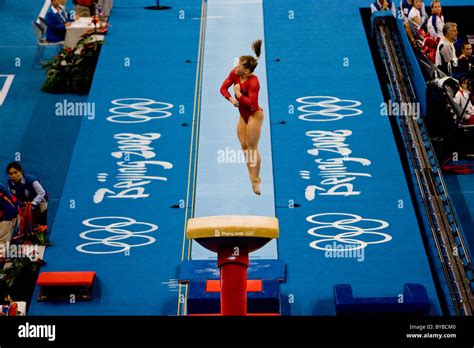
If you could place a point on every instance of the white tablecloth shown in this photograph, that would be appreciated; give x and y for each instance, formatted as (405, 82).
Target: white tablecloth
(76, 30)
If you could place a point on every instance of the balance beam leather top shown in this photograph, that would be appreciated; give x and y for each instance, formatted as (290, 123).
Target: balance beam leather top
(212, 231)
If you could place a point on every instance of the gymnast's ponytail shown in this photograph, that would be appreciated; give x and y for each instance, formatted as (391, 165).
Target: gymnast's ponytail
(250, 62)
(257, 48)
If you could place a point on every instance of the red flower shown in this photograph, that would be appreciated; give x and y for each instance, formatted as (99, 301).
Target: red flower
(41, 228)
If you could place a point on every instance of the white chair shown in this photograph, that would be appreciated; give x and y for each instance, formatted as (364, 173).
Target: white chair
(42, 22)
(41, 43)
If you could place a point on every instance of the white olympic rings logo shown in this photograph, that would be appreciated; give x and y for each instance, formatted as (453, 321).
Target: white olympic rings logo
(119, 234)
(349, 234)
(326, 109)
(138, 110)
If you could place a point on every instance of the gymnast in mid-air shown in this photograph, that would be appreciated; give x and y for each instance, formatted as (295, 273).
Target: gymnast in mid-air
(249, 126)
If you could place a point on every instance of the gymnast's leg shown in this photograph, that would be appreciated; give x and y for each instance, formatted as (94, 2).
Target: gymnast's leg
(254, 129)
(242, 135)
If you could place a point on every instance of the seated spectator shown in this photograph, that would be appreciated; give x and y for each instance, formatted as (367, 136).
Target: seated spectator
(27, 189)
(56, 23)
(406, 6)
(414, 15)
(446, 53)
(463, 99)
(465, 60)
(8, 214)
(436, 21)
(384, 5)
(85, 8)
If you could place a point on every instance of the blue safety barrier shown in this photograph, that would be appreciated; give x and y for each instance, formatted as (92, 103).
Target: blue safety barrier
(413, 300)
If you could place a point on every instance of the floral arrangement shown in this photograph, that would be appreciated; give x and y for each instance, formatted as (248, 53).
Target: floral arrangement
(25, 252)
(20, 267)
(72, 70)
(28, 231)
(101, 24)
(38, 236)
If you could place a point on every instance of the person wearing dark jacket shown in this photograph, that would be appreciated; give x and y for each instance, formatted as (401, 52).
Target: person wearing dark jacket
(27, 189)
(56, 22)
(466, 59)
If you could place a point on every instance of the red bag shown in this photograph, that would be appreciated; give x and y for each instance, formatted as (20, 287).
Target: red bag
(430, 46)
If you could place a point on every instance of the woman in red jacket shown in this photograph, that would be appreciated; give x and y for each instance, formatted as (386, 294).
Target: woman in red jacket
(246, 88)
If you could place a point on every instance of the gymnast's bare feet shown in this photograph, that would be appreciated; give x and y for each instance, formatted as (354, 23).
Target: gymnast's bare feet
(256, 187)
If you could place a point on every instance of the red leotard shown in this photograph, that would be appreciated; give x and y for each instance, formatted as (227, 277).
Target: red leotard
(248, 102)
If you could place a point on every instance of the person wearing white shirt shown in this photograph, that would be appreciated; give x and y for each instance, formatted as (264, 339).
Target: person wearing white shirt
(463, 99)
(383, 5)
(436, 21)
(414, 15)
(446, 52)
(406, 6)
